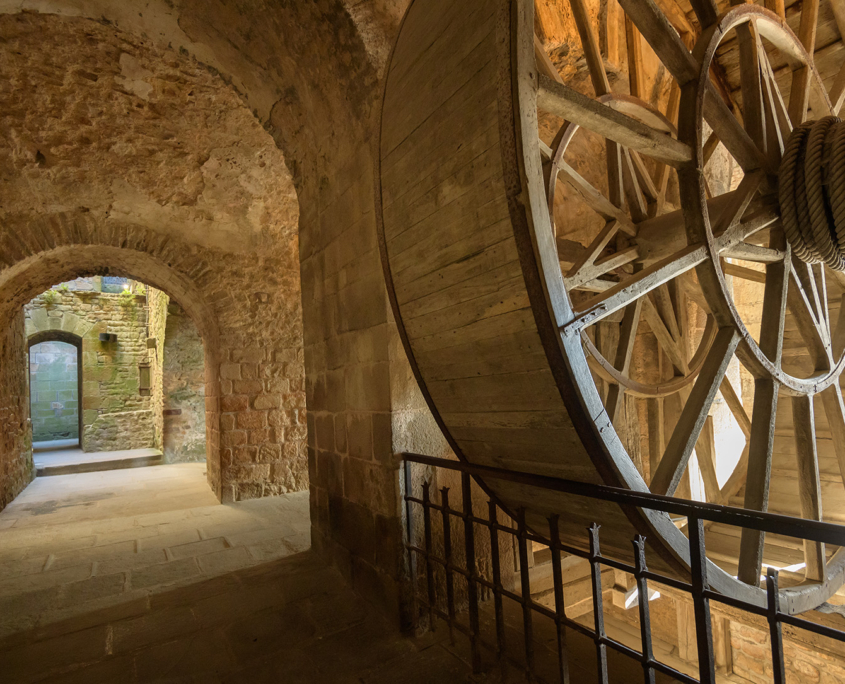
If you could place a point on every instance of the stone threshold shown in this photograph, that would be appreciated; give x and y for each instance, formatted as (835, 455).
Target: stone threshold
(74, 461)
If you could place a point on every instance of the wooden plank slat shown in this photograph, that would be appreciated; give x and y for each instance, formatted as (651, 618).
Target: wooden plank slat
(569, 104)
(694, 414)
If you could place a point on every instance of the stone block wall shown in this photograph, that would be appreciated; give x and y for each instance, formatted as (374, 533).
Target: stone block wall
(115, 415)
(157, 303)
(16, 469)
(183, 377)
(54, 391)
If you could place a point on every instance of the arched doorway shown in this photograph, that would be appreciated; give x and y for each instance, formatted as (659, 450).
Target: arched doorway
(55, 388)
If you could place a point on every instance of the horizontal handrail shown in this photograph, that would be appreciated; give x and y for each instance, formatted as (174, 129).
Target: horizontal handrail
(784, 525)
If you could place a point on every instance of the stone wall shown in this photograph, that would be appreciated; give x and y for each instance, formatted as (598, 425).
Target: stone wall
(157, 304)
(16, 468)
(184, 389)
(54, 391)
(115, 415)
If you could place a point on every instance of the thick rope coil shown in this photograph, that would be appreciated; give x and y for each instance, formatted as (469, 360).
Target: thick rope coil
(811, 192)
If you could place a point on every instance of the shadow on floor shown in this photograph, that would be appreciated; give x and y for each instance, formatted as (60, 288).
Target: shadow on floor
(292, 620)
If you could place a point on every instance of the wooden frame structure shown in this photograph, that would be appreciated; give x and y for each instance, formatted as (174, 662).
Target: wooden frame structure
(496, 319)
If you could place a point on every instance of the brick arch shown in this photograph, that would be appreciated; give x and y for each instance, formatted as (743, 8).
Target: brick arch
(63, 247)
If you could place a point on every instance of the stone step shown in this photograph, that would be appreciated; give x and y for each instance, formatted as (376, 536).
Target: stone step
(76, 461)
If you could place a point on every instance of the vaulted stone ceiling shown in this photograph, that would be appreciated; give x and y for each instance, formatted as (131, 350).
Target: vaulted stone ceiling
(107, 122)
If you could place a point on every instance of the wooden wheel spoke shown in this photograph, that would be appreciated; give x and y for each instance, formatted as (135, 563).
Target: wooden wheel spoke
(544, 64)
(799, 94)
(672, 114)
(751, 84)
(834, 409)
(781, 125)
(668, 342)
(758, 476)
(837, 91)
(667, 44)
(705, 11)
(743, 272)
(776, 6)
(624, 293)
(624, 351)
(589, 42)
(597, 246)
(838, 336)
(732, 214)
(595, 200)
(705, 449)
(805, 307)
(634, 45)
(775, 295)
(735, 405)
(569, 104)
(636, 200)
(694, 414)
(647, 187)
(809, 488)
(591, 269)
(662, 37)
(756, 253)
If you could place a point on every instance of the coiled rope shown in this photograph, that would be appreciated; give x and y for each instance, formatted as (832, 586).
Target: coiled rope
(811, 192)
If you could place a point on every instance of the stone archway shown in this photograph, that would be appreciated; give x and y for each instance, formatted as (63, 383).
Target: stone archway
(309, 74)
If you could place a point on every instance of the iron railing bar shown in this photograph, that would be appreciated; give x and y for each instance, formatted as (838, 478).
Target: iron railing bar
(618, 565)
(700, 603)
(429, 568)
(560, 622)
(775, 631)
(598, 606)
(498, 609)
(447, 553)
(736, 603)
(587, 632)
(412, 559)
(469, 554)
(670, 582)
(814, 627)
(784, 525)
(525, 583)
(670, 671)
(643, 609)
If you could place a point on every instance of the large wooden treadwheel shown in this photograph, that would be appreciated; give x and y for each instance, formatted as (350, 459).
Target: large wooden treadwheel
(503, 327)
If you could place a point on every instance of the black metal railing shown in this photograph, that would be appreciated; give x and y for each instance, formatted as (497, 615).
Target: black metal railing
(698, 588)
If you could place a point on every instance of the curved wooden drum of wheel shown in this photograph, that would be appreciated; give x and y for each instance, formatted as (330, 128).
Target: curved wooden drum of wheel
(476, 288)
